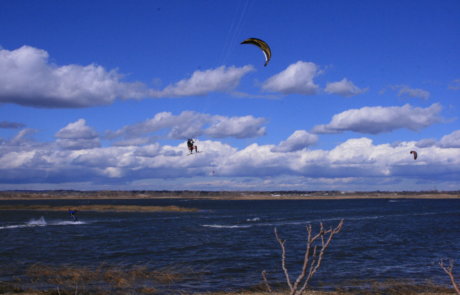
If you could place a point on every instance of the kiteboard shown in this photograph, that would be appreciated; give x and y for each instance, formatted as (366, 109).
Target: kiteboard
(189, 154)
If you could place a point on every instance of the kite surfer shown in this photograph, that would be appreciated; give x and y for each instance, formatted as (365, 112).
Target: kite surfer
(191, 146)
(73, 214)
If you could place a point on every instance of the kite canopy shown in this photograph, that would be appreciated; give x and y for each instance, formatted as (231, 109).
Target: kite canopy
(262, 45)
(415, 154)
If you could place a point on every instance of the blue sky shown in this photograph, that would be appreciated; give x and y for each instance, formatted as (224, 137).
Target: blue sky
(103, 94)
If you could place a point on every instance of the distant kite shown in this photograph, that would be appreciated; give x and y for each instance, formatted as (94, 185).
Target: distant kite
(262, 45)
(415, 154)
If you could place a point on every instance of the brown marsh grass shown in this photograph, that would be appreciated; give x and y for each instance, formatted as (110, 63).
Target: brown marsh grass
(392, 287)
(104, 279)
(108, 208)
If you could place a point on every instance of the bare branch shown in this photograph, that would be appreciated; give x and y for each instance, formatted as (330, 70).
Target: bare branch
(324, 246)
(312, 259)
(283, 259)
(311, 270)
(305, 259)
(449, 271)
(264, 276)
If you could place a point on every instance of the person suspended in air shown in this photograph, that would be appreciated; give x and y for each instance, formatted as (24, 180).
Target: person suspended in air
(72, 214)
(191, 146)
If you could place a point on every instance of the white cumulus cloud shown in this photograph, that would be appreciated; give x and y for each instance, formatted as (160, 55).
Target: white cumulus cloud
(344, 87)
(189, 124)
(355, 161)
(406, 91)
(237, 127)
(221, 79)
(379, 119)
(28, 78)
(23, 135)
(299, 140)
(427, 142)
(11, 125)
(77, 135)
(451, 140)
(455, 85)
(295, 79)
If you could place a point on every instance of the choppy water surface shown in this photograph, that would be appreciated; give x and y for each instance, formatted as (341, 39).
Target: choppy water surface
(231, 242)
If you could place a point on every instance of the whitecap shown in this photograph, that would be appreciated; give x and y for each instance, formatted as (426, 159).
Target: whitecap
(37, 222)
(225, 226)
(13, 226)
(41, 222)
(31, 223)
(253, 219)
(67, 222)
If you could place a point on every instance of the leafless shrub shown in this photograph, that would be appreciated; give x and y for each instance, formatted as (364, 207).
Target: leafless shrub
(449, 271)
(264, 277)
(312, 258)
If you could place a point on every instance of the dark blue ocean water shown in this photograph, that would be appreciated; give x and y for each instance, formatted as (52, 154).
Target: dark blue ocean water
(231, 242)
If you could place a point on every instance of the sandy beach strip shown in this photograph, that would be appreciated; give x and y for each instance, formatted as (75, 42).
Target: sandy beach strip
(100, 208)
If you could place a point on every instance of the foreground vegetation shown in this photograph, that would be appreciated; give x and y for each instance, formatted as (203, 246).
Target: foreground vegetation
(140, 280)
(105, 279)
(102, 280)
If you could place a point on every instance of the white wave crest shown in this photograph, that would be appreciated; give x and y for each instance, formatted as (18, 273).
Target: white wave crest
(37, 222)
(41, 222)
(225, 226)
(253, 219)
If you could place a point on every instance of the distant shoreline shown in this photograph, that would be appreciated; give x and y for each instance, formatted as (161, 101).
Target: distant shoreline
(120, 195)
(99, 208)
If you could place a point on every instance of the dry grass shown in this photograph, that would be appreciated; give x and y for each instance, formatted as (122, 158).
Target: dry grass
(105, 279)
(372, 288)
(265, 293)
(395, 290)
(392, 287)
(141, 280)
(223, 195)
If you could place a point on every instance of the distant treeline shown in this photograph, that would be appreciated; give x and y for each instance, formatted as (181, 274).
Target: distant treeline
(185, 193)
